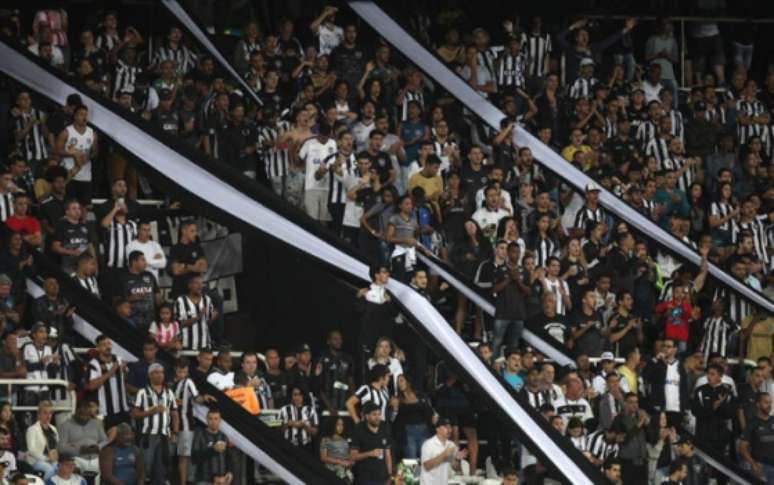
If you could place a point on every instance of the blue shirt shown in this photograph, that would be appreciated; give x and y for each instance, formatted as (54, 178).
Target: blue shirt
(410, 131)
(513, 380)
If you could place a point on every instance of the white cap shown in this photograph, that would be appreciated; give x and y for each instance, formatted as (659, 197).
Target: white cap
(607, 356)
(591, 186)
(586, 61)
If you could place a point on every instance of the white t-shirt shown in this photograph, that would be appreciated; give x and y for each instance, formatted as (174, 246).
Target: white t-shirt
(80, 142)
(651, 90)
(352, 210)
(360, 133)
(487, 220)
(568, 408)
(440, 474)
(672, 387)
(150, 249)
(221, 381)
(507, 205)
(313, 153)
(330, 37)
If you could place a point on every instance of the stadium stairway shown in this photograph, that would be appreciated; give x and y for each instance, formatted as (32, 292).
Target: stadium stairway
(239, 202)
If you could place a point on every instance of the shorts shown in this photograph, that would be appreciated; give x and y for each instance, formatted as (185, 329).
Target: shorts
(708, 49)
(316, 205)
(113, 420)
(185, 443)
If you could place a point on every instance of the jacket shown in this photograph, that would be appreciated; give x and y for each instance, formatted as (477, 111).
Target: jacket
(656, 373)
(37, 443)
(712, 424)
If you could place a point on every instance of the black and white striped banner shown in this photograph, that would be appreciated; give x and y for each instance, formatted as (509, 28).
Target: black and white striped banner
(195, 179)
(404, 42)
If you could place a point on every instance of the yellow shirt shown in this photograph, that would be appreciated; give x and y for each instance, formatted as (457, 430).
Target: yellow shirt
(569, 151)
(759, 344)
(431, 185)
(630, 376)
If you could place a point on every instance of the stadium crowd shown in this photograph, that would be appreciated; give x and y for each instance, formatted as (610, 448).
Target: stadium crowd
(363, 142)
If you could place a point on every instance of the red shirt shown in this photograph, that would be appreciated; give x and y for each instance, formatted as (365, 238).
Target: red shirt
(677, 319)
(26, 225)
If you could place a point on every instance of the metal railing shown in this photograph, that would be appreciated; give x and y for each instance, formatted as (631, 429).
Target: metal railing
(67, 405)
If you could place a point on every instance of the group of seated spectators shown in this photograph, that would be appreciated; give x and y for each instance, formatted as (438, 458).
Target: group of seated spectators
(365, 143)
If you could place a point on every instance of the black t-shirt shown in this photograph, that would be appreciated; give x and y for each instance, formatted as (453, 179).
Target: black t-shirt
(509, 303)
(381, 162)
(71, 236)
(185, 254)
(760, 434)
(629, 341)
(473, 180)
(555, 326)
(279, 387)
(52, 209)
(592, 342)
(364, 440)
(142, 285)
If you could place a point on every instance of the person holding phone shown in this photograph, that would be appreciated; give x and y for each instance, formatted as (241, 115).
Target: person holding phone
(713, 405)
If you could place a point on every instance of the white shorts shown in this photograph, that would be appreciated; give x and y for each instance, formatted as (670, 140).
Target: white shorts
(185, 443)
(316, 205)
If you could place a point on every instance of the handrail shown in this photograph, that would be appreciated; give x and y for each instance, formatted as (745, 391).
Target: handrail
(72, 396)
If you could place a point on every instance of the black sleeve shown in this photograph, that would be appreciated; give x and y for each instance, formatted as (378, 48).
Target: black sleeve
(175, 254)
(59, 232)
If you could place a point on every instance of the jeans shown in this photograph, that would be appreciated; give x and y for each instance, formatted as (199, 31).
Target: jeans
(628, 62)
(416, 434)
(501, 329)
(401, 182)
(768, 473)
(47, 469)
(156, 454)
(743, 55)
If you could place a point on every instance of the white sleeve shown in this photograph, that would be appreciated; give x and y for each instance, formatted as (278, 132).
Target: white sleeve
(160, 263)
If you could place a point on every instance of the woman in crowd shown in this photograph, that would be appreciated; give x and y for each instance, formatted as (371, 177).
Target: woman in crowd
(334, 449)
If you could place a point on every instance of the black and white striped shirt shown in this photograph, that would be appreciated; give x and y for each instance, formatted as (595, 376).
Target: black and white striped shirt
(715, 339)
(715, 113)
(418, 96)
(658, 148)
(185, 393)
(367, 393)
(6, 206)
(749, 108)
(555, 287)
(583, 87)
(125, 76)
(759, 236)
(33, 145)
(197, 335)
(599, 447)
(538, 48)
(118, 236)
(111, 396)
(107, 42)
(184, 58)
(65, 370)
(611, 128)
(510, 70)
(738, 307)
(685, 180)
(88, 283)
(585, 215)
(678, 126)
(298, 436)
(337, 193)
(156, 423)
(722, 209)
(488, 58)
(536, 398)
(275, 158)
(543, 249)
(646, 131)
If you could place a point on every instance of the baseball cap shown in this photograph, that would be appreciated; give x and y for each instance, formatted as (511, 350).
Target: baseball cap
(5, 279)
(154, 368)
(303, 348)
(127, 90)
(634, 189)
(606, 356)
(442, 422)
(684, 440)
(700, 106)
(63, 457)
(586, 61)
(53, 333)
(591, 187)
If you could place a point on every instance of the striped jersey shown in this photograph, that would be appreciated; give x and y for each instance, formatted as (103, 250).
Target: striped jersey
(738, 307)
(759, 236)
(196, 336)
(586, 215)
(749, 108)
(685, 180)
(275, 156)
(337, 192)
(510, 70)
(583, 87)
(555, 287)
(6, 206)
(409, 96)
(722, 209)
(33, 145)
(125, 76)
(185, 392)
(184, 58)
(119, 234)
(658, 148)
(156, 423)
(380, 397)
(715, 338)
(164, 333)
(88, 283)
(111, 396)
(538, 48)
(597, 445)
(298, 436)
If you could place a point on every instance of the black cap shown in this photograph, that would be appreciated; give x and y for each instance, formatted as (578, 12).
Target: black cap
(633, 189)
(442, 422)
(684, 440)
(63, 457)
(303, 348)
(74, 100)
(699, 106)
(370, 407)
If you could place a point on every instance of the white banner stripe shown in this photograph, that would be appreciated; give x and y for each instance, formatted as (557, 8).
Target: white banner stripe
(398, 37)
(197, 180)
(194, 29)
